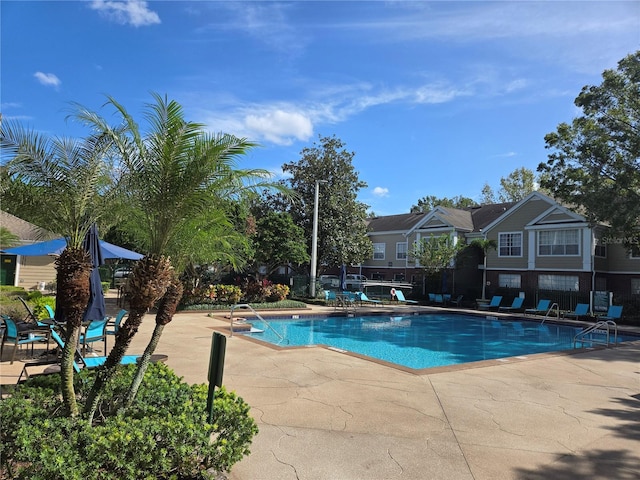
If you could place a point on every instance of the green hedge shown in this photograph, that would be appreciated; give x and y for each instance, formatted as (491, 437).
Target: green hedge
(165, 435)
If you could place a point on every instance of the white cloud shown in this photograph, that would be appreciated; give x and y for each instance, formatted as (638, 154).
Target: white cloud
(128, 12)
(279, 126)
(48, 79)
(381, 192)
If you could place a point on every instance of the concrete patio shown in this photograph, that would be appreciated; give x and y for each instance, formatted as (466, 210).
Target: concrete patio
(324, 414)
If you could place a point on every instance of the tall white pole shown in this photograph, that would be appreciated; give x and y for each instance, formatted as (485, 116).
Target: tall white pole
(314, 242)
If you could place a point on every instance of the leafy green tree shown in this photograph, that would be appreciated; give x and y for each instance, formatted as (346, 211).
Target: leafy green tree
(435, 254)
(513, 188)
(278, 241)
(342, 218)
(428, 203)
(77, 174)
(594, 161)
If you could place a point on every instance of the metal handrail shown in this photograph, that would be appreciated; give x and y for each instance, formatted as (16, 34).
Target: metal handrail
(602, 327)
(246, 305)
(546, 315)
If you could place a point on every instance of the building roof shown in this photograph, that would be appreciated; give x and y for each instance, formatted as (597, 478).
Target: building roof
(395, 223)
(470, 219)
(27, 232)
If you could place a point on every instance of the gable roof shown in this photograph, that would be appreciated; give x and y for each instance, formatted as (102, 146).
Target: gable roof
(470, 219)
(27, 232)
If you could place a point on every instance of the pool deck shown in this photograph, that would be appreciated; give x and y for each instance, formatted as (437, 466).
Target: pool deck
(324, 414)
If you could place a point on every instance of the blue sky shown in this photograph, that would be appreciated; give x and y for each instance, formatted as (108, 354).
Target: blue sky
(434, 98)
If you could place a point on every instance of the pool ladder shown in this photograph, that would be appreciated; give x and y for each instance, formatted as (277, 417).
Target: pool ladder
(602, 328)
(546, 315)
(246, 305)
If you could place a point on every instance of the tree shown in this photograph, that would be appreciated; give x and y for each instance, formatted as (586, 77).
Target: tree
(77, 175)
(513, 188)
(435, 254)
(179, 185)
(342, 227)
(595, 160)
(485, 245)
(278, 241)
(428, 203)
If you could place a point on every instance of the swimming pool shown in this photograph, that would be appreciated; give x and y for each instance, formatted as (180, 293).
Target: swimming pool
(422, 341)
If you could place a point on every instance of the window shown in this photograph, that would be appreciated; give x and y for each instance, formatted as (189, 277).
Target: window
(566, 283)
(509, 280)
(401, 251)
(635, 286)
(600, 250)
(398, 277)
(378, 251)
(558, 242)
(510, 244)
(635, 251)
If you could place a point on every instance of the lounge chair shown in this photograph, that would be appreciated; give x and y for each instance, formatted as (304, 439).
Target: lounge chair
(12, 335)
(400, 297)
(362, 297)
(581, 310)
(79, 362)
(494, 304)
(541, 308)
(330, 297)
(516, 305)
(614, 313)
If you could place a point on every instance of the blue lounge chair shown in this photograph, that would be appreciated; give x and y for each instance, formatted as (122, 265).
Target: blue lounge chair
(362, 297)
(582, 310)
(400, 297)
(541, 308)
(614, 313)
(90, 362)
(458, 301)
(516, 305)
(495, 303)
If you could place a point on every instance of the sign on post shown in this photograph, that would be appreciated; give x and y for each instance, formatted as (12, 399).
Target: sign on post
(216, 368)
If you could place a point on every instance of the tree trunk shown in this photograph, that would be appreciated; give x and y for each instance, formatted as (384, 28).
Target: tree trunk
(142, 365)
(66, 371)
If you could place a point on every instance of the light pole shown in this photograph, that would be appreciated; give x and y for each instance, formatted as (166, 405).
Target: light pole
(314, 241)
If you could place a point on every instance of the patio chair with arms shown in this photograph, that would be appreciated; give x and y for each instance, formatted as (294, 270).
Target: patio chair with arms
(112, 328)
(21, 337)
(94, 332)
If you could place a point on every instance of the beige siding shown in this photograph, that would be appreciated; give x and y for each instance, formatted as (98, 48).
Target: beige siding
(33, 270)
(390, 241)
(557, 217)
(620, 261)
(558, 262)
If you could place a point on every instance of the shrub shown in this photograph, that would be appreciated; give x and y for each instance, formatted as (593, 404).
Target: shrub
(165, 434)
(39, 303)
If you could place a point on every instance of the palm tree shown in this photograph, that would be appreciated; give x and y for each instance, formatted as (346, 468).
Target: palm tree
(485, 245)
(177, 173)
(76, 176)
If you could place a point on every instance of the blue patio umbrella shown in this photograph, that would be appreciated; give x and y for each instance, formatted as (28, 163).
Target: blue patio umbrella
(343, 277)
(95, 308)
(56, 246)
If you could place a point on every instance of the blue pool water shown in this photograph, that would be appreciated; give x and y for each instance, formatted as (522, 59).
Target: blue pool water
(423, 341)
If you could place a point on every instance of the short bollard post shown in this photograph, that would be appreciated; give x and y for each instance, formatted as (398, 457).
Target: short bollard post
(216, 368)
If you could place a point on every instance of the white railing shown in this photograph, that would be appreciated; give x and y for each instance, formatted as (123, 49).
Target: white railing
(546, 315)
(598, 334)
(246, 305)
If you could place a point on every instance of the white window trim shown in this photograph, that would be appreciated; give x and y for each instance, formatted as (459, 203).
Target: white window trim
(521, 244)
(384, 248)
(538, 244)
(406, 251)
